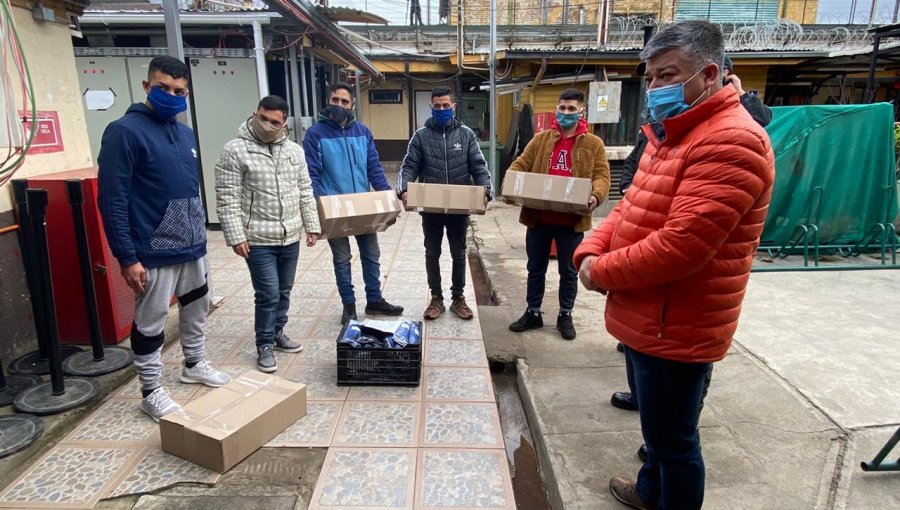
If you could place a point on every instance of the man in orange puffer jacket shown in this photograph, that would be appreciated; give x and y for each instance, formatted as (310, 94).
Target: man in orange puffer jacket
(675, 255)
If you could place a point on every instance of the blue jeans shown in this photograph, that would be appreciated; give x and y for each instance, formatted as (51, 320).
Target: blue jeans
(537, 247)
(669, 395)
(272, 270)
(369, 253)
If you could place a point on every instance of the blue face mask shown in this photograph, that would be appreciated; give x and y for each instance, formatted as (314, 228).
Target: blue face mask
(166, 105)
(667, 102)
(442, 117)
(567, 120)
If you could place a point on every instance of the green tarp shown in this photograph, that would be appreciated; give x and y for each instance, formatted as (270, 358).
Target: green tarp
(849, 152)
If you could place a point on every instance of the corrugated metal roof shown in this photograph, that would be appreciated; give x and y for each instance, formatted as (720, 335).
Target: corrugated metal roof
(351, 15)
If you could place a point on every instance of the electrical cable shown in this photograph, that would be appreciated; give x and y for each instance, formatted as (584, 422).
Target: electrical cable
(8, 169)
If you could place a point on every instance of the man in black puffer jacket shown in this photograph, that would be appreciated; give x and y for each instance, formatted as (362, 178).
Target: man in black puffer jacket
(445, 152)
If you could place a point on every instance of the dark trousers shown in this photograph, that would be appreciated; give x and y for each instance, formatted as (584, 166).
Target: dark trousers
(670, 394)
(433, 225)
(537, 247)
(272, 271)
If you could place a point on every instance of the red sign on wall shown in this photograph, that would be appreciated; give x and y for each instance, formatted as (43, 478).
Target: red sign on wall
(48, 137)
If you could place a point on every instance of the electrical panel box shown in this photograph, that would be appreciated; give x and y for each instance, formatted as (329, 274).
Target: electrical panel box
(224, 94)
(604, 100)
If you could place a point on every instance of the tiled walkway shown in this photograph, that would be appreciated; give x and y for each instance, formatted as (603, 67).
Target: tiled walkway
(435, 446)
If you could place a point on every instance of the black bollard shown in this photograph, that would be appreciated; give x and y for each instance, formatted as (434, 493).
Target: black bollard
(14, 385)
(37, 362)
(52, 397)
(99, 360)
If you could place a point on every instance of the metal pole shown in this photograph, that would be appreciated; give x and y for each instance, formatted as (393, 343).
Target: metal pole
(312, 81)
(173, 29)
(870, 84)
(493, 96)
(642, 95)
(295, 90)
(304, 92)
(359, 115)
(76, 202)
(262, 77)
(896, 10)
(428, 15)
(29, 258)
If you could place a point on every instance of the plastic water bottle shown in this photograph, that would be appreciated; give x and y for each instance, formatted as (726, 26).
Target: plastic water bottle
(415, 335)
(401, 336)
(351, 335)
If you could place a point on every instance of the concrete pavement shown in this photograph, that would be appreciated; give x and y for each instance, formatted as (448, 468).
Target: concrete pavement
(804, 394)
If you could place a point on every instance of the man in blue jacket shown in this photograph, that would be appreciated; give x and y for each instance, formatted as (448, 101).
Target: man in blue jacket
(150, 204)
(341, 156)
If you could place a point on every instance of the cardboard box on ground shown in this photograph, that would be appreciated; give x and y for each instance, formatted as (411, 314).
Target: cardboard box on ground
(548, 192)
(357, 213)
(223, 427)
(445, 198)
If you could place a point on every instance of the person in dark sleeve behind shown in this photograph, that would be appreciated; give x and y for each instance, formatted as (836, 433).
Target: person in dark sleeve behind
(750, 100)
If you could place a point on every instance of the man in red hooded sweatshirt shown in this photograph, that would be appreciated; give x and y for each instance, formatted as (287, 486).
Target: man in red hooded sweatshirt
(567, 149)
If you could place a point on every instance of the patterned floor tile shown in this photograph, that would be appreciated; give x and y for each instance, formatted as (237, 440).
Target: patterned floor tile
(450, 326)
(69, 475)
(233, 371)
(313, 290)
(313, 430)
(459, 353)
(329, 326)
(228, 288)
(398, 290)
(463, 479)
(156, 470)
(402, 393)
(227, 325)
(317, 351)
(321, 382)
(298, 328)
(237, 305)
(313, 277)
(308, 307)
(464, 384)
(386, 424)
(120, 421)
(460, 425)
(232, 275)
(367, 478)
(245, 354)
(217, 349)
(407, 277)
(170, 380)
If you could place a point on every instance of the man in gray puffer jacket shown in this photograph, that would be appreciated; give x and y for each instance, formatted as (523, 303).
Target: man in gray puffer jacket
(445, 152)
(264, 198)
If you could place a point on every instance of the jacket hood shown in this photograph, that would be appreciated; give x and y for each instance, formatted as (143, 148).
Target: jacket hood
(431, 124)
(143, 109)
(245, 132)
(580, 129)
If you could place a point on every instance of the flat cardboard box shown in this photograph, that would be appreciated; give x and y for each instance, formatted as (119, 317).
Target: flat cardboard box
(223, 427)
(548, 192)
(445, 198)
(357, 213)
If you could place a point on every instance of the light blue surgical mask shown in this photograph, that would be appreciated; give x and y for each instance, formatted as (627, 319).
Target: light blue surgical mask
(667, 102)
(567, 120)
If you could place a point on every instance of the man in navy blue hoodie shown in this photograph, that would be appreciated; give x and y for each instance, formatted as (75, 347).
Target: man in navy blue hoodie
(341, 156)
(150, 203)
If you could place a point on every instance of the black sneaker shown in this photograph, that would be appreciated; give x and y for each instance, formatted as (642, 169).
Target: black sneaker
(565, 326)
(265, 358)
(285, 344)
(349, 313)
(528, 320)
(383, 308)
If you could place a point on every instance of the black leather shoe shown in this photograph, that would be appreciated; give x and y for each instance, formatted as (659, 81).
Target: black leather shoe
(565, 326)
(621, 347)
(383, 308)
(623, 400)
(642, 453)
(528, 320)
(349, 313)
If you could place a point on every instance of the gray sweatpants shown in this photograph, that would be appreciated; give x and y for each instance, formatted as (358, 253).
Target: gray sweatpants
(188, 282)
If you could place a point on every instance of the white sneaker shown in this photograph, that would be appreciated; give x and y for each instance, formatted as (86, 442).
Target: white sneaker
(159, 404)
(202, 373)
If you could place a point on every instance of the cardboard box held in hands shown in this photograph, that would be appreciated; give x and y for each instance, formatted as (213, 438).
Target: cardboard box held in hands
(548, 192)
(357, 213)
(225, 426)
(445, 198)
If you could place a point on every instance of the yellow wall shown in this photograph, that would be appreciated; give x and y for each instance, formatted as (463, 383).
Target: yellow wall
(800, 11)
(753, 78)
(387, 121)
(546, 97)
(48, 48)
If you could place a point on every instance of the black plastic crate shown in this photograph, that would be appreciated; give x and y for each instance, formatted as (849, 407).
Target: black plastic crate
(386, 367)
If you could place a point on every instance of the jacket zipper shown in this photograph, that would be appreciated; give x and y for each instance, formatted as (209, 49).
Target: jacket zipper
(662, 314)
(173, 133)
(350, 158)
(446, 166)
(278, 190)
(250, 211)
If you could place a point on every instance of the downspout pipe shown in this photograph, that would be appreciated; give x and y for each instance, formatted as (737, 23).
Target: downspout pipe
(262, 77)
